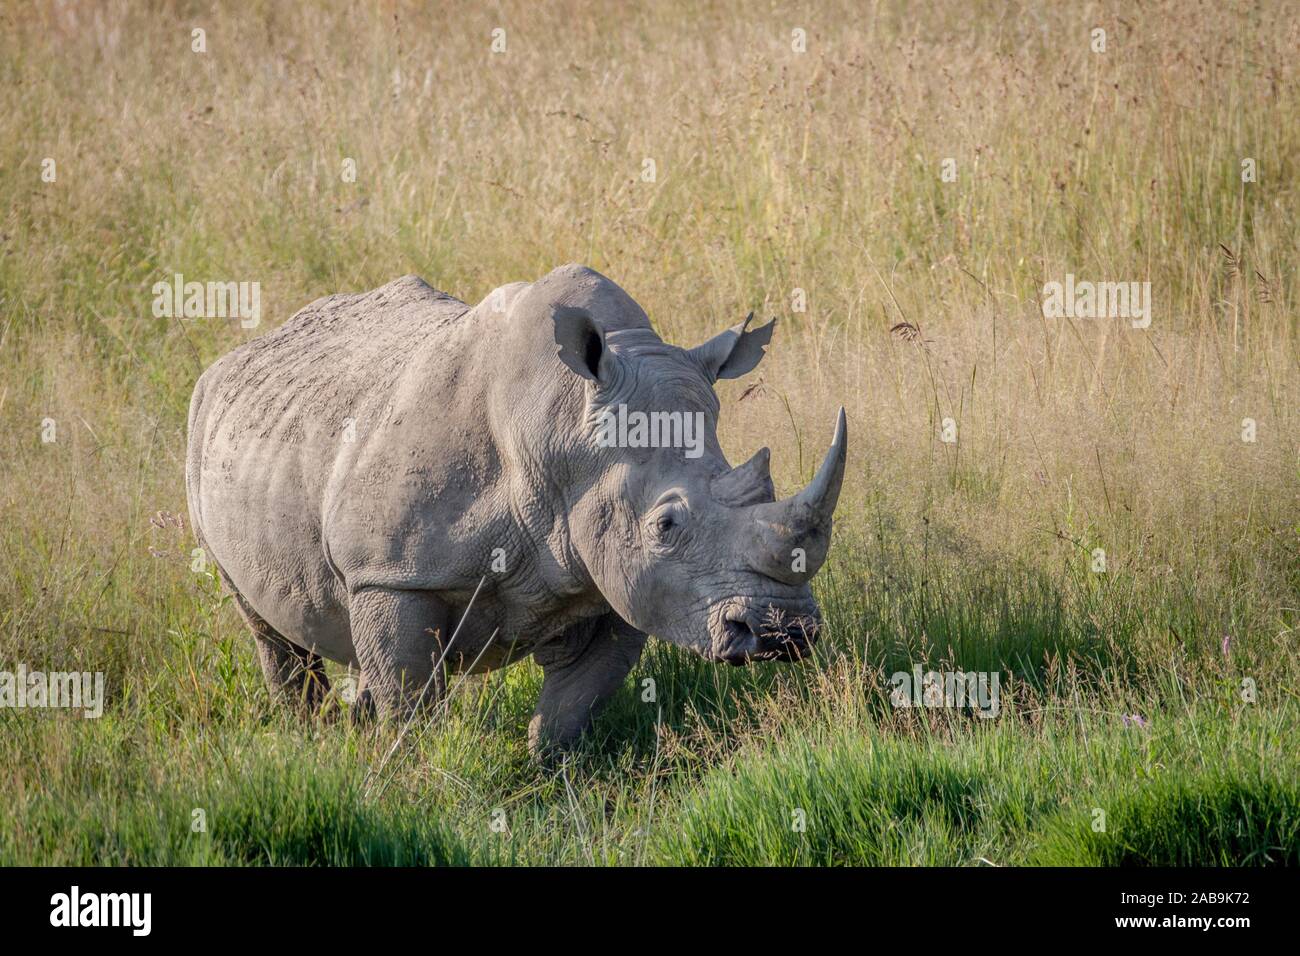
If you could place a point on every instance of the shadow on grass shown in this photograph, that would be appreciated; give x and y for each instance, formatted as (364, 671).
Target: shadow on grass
(1000, 798)
(1216, 822)
(997, 620)
(296, 814)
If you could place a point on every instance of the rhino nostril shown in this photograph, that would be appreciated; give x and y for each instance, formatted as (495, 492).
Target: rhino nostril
(738, 630)
(767, 631)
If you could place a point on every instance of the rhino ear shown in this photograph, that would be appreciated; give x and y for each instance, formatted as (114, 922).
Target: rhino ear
(581, 343)
(732, 353)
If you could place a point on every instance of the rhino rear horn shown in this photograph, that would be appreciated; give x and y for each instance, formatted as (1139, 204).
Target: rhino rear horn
(747, 484)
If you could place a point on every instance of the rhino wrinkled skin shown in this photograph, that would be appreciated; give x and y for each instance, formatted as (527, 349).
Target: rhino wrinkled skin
(356, 473)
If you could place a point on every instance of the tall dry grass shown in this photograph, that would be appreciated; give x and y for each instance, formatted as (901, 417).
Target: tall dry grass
(776, 172)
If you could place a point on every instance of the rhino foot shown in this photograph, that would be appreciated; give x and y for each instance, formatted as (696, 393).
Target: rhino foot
(398, 638)
(582, 668)
(293, 674)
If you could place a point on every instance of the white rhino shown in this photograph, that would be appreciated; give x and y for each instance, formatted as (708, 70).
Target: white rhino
(358, 472)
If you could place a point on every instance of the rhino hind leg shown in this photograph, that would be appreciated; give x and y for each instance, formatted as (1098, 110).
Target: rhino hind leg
(293, 674)
(397, 635)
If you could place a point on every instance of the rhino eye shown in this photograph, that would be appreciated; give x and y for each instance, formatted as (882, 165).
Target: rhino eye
(665, 523)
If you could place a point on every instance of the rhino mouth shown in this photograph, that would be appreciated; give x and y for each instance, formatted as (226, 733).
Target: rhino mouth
(748, 629)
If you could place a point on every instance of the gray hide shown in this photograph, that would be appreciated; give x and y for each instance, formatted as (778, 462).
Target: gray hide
(355, 473)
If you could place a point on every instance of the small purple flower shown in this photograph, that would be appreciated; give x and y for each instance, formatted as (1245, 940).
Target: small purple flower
(1136, 720)
(1227, 644)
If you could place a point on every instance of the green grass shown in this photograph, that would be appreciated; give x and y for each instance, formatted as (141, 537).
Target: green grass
(1214, 785)
(275, 810)
(711, 772)
(1099, 794)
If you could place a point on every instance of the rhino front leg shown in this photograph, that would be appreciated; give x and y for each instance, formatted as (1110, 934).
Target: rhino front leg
(582, 669)
(397, 635)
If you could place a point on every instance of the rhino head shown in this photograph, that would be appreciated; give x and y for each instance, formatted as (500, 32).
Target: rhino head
(679, 543)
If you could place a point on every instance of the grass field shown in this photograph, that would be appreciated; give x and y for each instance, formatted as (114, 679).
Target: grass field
(1150, 712)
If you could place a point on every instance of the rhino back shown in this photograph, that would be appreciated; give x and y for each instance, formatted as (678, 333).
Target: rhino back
(334, 356)
(278, 420)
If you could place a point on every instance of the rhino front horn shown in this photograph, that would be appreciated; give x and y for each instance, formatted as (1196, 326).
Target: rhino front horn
(792, 536)
(823, 492)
